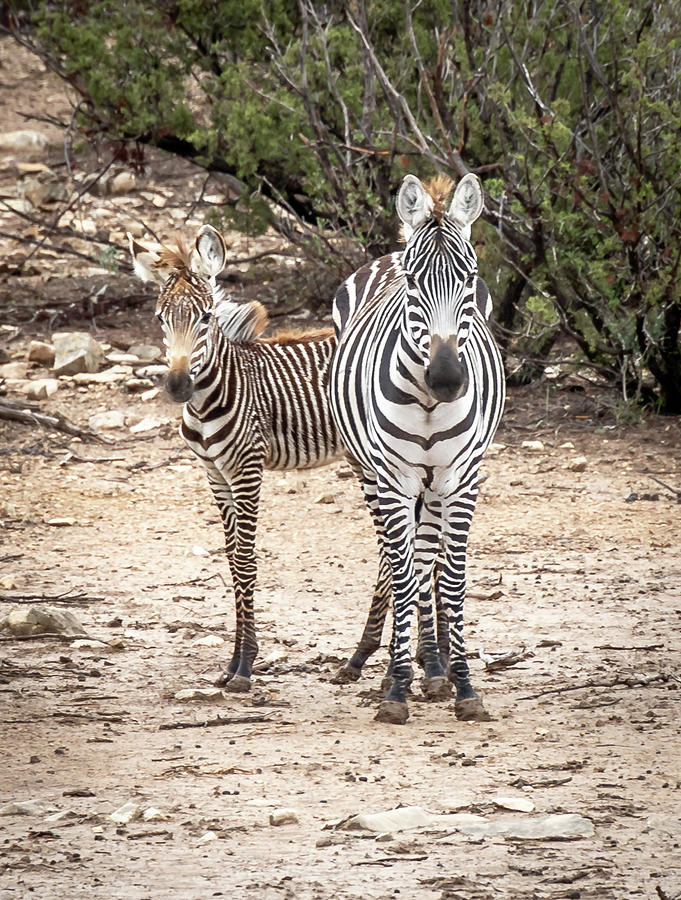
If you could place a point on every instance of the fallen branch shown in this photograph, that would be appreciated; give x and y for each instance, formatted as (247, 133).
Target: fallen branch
(66, 597)
(646, 647)
(632, 681)
(220, 720)
(56, 422)
(675, 491)
(45, 635)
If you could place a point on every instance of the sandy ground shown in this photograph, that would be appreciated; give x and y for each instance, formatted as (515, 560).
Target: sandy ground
(560, 564)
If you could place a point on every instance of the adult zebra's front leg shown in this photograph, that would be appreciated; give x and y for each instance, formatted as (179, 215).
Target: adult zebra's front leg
(398, 516)
(452, 592)
(245, 495)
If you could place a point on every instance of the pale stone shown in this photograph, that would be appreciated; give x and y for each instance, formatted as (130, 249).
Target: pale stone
(325, 498)
(127, 359)
(201, 694)
(108, 376)
(28, 143)
(41, 353)
(136, 229)
(149, 395)
(150, 371)
(126, 813)
(210, 640)
(578, 464)
(14, 370)
(41, 619)
(76, 351)
(151, 814)
(519, 804)
(89, 227)
(208, 837)
(148, 423)
(103, 420)
(146, 352)
(123, 183)
(89, 645)
(42, 388)
(283, 817)
(26, 808)
(61, 521)
(534, 446)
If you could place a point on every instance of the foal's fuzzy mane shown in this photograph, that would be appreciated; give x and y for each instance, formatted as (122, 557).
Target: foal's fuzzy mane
(295, 336)
(176, 255)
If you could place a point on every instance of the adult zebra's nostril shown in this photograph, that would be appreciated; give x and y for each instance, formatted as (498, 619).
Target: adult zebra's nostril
(445, 375)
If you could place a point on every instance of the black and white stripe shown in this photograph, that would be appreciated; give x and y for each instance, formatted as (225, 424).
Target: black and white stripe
(417, 391)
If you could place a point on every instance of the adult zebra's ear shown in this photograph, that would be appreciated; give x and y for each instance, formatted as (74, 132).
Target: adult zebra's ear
(414, 204)
(467, 203)
(210, 253)
(145, 262)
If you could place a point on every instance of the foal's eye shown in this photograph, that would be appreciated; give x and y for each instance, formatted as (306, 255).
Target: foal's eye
(205, 318)
(159, 316)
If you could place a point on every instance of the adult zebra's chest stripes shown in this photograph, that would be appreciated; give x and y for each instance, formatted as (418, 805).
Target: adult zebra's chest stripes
(417, 391)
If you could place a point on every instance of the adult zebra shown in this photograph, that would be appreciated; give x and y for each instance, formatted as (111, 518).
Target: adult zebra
(417, 390)
(250, 404)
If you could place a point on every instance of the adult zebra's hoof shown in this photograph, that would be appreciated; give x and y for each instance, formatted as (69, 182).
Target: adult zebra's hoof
(347, 674)
(393, 712)
(238, 684)
(436, 688)
(471, 710)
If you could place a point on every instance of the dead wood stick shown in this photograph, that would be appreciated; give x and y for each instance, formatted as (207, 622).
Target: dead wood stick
(674, 491)
(628, 682)
(220, 720)
(66, 597)
(646, 647)
(72, 456)
(46, 635)
(55, 422)
(143, 466)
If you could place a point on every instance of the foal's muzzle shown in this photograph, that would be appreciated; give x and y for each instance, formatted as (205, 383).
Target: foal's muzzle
(180, 384)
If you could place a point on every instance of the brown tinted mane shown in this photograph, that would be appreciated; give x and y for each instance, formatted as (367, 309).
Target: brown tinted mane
(292, 336)
(439, 189)
(176, 255)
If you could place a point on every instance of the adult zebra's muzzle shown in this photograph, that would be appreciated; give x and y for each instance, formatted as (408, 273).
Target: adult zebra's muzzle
(445, 374)
(180, 384)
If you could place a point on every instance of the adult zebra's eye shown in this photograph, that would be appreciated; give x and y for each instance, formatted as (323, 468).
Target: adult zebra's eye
(205, 318)
(411, 281)
(471, 278)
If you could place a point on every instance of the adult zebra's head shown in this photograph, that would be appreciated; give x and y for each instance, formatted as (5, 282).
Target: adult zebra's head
(185, 302)
(440, 273)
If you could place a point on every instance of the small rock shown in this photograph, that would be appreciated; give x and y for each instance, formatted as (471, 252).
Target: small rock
(61, 521)
(326, 498)
(26, 808)
(146, 352)
(149, 395)
(76, 351)
(14, 370)
(210, 640)
(115, 418)
(137, 385)
(26, 142)
(41, 353)
(578, 464)
(519, 804)
(151, 371)
(207, 837)
(148, 423)
(63, 815)
(108, 376)
(89, 645)
(151, 814)
(534, 446)
(123, 183)
(126, 813)
(41, 619)
(42, 388)
(203, 694)
(4, 356)
(197, 549)
(568, 445)
(283, 817)
(128, 359)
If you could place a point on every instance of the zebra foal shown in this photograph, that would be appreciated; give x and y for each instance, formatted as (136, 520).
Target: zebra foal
(249, 404)
(417, 391)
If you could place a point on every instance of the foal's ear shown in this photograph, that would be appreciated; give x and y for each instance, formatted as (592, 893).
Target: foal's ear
(467, 203)
(145, 262)
(210, 253)
(414, 204)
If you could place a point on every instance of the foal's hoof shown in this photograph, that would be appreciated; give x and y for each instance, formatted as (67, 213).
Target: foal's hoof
(347, 674)
(224, 679)
(436, 688)
(238, 684)
(393, 712)
(471, 710)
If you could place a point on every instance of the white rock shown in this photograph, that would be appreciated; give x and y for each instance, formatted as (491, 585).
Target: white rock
(283, 817)
(41, 619)
(27, 143)
(128, 359)
(568, 445)
(123, 183)
(126, 813)
(534, 446)
(89, 645)
(205, 694)
(42, 388)
(114, 418)
(325, 498)
(26, 808)
(207, 837)
(146, 352)
(210, 640)
(61, 521)
(108, 376)
(150, 371)
(41, 353)
(539, 828)
(151, 814)
(198, 550)
(151, 394)
(519, 804)
(578, 464)
(136, 229)
(13, 370)
(57, 818)
(148, 423)
(76, 351)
